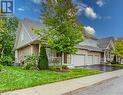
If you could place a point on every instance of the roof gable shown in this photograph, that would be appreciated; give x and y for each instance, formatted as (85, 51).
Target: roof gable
(25, 31)
(97, 45)
(24, 37)
(111, 46)
(105, 42)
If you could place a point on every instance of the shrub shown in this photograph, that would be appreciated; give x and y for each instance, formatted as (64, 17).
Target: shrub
(65, 67)
(30, 62)
(1, 67)
(43, 60)
(56, 61)
(54, 68)
(58, 68)
(7, 60)
(114, 61)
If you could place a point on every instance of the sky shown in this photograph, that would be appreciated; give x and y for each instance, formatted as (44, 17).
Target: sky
(103, 18)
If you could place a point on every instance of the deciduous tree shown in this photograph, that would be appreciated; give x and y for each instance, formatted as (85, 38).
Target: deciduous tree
(62, 29)
(8, 28)
(119, 48)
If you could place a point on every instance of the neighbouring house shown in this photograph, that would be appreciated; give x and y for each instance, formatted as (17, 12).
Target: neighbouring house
(91, 50)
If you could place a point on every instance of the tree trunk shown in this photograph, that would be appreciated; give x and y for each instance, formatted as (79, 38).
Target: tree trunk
(61, 62)
(120, 60)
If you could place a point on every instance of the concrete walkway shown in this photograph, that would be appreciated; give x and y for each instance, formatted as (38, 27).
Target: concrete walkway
(66, 87)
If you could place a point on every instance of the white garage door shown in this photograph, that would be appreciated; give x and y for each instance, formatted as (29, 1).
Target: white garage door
(78, 60)
(96, 59)
(89, 60)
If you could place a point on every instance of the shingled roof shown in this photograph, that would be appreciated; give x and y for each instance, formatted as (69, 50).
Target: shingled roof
(104, 42)
(29, 25)
(90, 48)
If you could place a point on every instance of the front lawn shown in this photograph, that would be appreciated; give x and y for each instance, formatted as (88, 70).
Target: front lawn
(13, 78)
(118, 65)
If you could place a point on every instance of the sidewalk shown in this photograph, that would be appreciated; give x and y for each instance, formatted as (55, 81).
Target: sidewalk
(66, 87)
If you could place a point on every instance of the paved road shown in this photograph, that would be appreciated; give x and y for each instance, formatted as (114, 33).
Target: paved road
(110, 87)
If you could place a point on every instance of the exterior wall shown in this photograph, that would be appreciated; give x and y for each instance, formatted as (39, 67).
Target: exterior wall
(23, 52)
(20, 54)
(82, 52)
(108, 56)
(104, 56)
(122, 61)
(35, 49)
(16, 56)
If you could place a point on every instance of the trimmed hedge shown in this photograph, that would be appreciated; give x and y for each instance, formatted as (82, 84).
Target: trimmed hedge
(43, 60)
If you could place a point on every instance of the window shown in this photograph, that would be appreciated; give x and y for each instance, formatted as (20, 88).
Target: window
(65, 58)
(58, 54)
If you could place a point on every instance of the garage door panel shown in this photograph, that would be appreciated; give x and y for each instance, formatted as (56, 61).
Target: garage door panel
(81, 59)
(96, 59)
(89, 60)
(78, 60)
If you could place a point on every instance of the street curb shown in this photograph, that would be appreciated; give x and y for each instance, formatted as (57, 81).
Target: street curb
(74, 92)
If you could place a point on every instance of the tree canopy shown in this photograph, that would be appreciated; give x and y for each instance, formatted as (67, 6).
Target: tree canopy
(119, 48)
(62, 29)
(8, 28)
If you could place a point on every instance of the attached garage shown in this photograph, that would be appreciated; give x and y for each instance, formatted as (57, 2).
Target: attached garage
(78, 60)
(85, 58)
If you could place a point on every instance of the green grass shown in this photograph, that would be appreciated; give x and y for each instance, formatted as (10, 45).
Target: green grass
(13, 78)
(118, 65)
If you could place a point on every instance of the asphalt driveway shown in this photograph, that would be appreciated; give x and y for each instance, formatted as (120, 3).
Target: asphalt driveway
(110, 87)
(102, 67)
